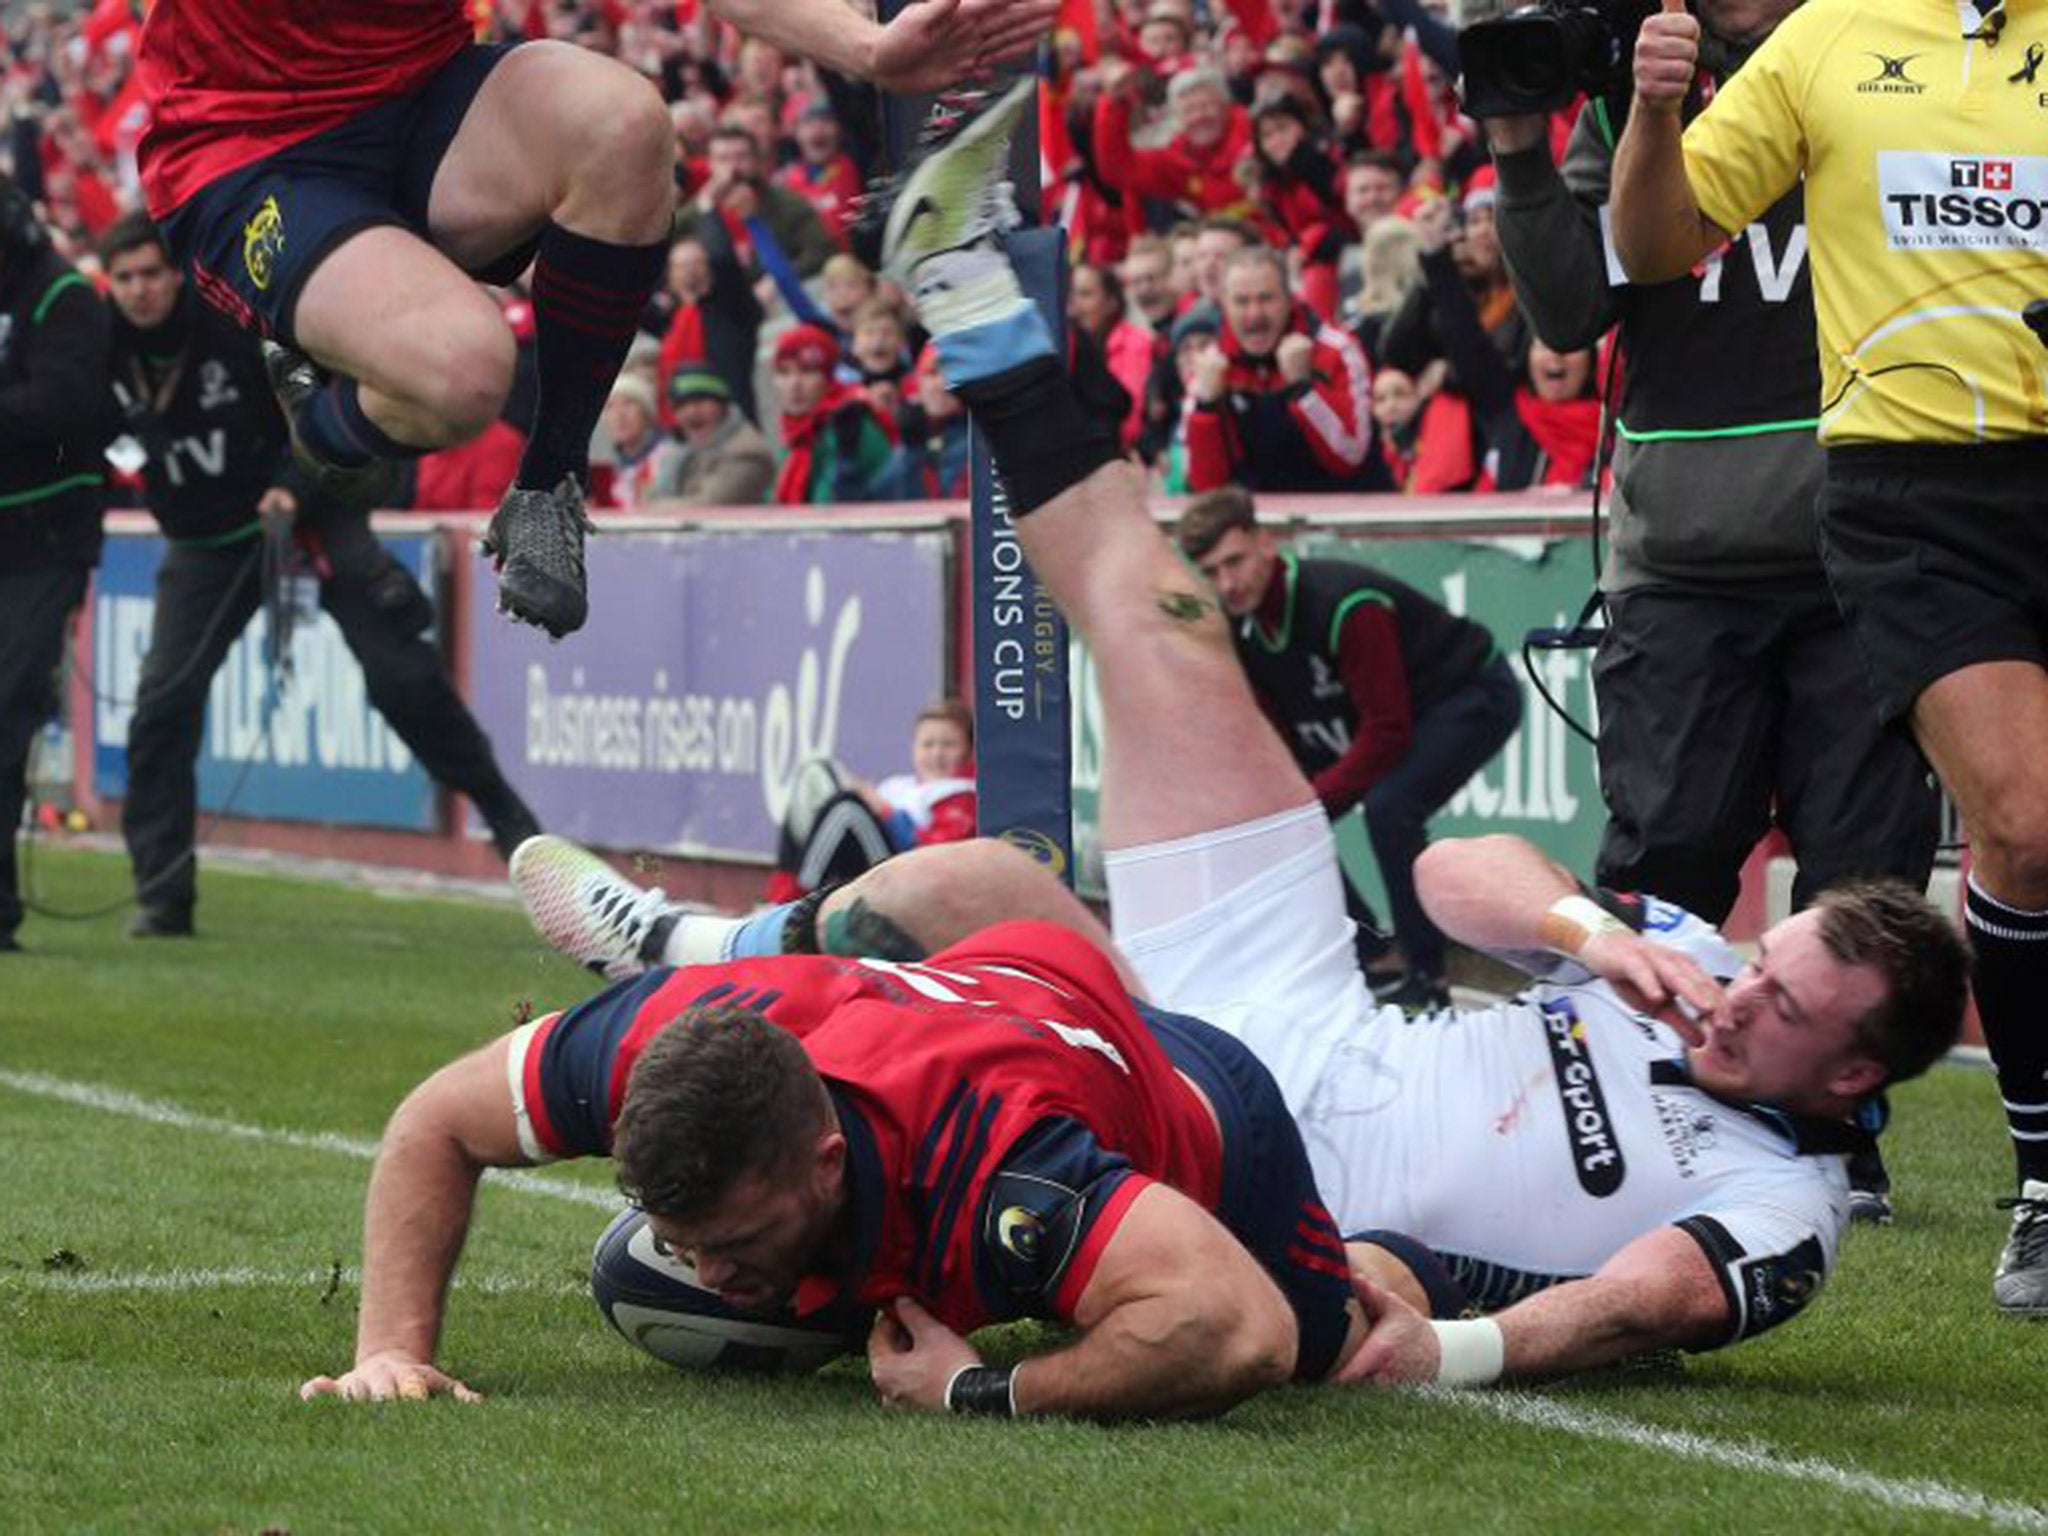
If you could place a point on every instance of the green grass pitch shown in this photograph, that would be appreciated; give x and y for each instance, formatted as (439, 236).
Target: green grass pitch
(184, 1128)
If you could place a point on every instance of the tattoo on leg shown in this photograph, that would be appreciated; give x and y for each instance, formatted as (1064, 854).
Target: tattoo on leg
(1185, 607)
(861, 930)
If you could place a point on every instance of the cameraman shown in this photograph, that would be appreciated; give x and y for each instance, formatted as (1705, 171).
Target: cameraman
(1729, 689)
(53, 420)
(220, 482)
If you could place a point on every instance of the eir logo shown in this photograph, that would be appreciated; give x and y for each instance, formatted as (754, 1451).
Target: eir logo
(1983, 175)
(1596, 1155)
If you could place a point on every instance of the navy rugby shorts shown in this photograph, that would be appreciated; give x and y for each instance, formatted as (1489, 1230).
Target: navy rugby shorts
(1269, 1200)
(252, 237)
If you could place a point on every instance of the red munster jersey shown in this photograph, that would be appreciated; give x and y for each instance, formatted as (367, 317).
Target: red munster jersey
(230, 81)
(1003, 1105)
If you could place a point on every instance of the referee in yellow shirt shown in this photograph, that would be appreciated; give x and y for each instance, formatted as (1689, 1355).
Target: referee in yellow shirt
(1919, 126)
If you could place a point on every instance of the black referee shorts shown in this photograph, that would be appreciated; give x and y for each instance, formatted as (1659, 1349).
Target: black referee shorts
(1938, 556)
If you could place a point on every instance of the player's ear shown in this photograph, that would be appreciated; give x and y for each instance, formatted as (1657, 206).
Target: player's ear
(828, 1159)
(1857, 1078)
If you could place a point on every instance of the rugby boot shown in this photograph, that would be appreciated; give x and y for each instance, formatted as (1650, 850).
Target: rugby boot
(535, 542)
(590, 912)
(295, 379)
(2020, 1286)
(953, 192)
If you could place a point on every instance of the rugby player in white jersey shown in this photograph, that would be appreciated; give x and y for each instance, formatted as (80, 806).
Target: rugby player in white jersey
(1646, 1149)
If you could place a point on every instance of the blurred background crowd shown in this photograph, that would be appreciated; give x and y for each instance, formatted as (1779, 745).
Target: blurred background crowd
(1285, 272)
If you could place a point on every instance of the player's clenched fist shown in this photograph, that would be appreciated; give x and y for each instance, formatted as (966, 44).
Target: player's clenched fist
(1667, 54)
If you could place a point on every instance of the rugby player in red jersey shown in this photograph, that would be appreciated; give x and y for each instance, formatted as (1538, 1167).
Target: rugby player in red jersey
(340, 176)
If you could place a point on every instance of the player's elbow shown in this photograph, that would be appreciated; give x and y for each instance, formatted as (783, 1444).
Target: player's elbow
(1655, 251)
(1451, 862)
(426, 1126)
(1254, 1344)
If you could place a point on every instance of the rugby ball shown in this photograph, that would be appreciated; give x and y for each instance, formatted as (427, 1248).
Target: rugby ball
(646, 1291)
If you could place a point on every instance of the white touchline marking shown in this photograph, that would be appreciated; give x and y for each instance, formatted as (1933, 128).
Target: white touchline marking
(93, 1282)
(117, 1101)
(1918, 1494)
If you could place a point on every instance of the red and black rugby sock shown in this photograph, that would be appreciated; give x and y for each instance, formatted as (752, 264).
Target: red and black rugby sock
(588, 297)
(2011, 979)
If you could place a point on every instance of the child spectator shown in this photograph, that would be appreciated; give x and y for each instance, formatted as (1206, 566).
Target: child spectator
(839, 826)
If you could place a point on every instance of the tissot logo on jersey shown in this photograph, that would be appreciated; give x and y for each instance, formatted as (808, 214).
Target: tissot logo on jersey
(1596, 1155)
(1991, 175)
(1933, 201)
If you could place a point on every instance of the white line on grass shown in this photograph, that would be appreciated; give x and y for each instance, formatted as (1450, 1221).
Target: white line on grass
(1540, 1412)
(133, 1282)
(1916, 1494)
(117, 1101)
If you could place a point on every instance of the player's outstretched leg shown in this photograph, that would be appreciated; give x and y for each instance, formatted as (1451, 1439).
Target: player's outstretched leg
(590, 912)
(902, 909)
(1188, 750)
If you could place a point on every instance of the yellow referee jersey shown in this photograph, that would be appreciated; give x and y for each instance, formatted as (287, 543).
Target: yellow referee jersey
(1926, 162)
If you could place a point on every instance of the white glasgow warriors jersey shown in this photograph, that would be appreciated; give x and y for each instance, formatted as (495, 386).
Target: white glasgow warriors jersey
(1527, 1142)
(1531, 1141)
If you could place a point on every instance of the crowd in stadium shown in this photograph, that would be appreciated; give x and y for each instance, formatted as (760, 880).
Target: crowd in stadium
(1370, 341)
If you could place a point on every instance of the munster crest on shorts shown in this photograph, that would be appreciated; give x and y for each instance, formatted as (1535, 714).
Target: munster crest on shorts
(262, 240)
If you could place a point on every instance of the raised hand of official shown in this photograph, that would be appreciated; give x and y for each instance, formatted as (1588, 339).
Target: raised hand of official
(1667, 56)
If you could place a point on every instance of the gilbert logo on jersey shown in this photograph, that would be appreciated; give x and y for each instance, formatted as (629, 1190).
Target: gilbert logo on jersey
(1936, 201)
(1596, 1155)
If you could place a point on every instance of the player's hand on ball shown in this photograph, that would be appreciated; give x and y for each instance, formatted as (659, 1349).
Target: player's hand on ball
(383, 1378)
(912, 1356)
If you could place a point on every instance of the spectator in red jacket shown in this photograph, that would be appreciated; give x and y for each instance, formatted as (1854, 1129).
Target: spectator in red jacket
(1294, 177)
(1197, 169)
(1281, 402)
(823, 173)
(1426, 441)
(1095, 305)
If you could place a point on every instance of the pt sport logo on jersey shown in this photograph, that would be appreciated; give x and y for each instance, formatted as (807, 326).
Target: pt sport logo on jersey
(1935, 201)
(1891, 78)
(262, 242)
(1588, 1128)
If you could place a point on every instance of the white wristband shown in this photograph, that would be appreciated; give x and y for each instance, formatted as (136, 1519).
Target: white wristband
(1574, 920)
(1470, 1353)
